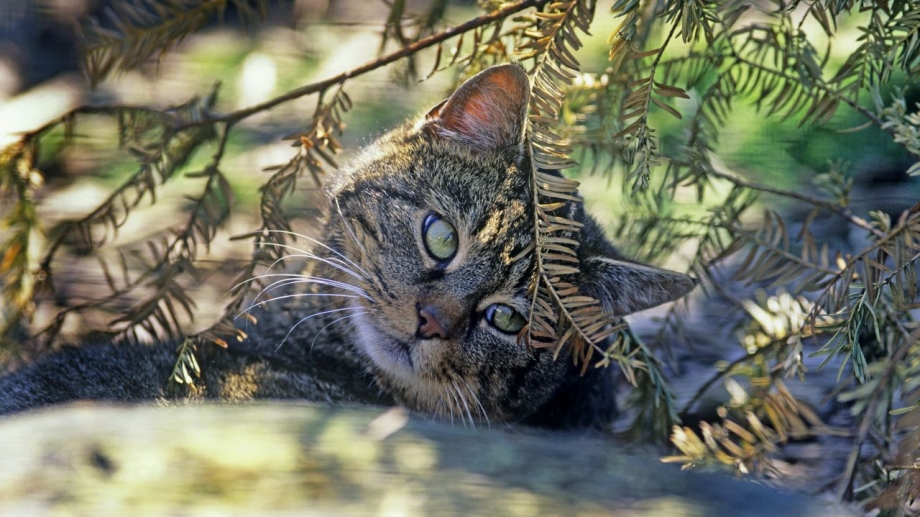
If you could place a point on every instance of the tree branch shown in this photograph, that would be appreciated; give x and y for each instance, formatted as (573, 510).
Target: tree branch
(408, 50)
(842, 212)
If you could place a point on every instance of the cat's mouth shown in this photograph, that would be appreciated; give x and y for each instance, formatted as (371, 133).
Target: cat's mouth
(418, 371)
(398, 349)
(390, 353)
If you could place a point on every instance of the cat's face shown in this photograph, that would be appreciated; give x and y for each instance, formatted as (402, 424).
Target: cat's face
(440, 237)
(437, 219)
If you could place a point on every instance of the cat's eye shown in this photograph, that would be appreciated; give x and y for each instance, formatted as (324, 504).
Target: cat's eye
(440, 238)
(504, 318)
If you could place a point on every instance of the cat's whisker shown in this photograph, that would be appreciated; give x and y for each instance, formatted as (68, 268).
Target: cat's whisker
(482, 410)
(333, 322)
(293, 280)
(437, 407)
(324, 245)
(298, 295)
(338, 284)
(351, 232)
(336, 263)
(321, 313)
(260, 277)
(307, 279)
(438, 411)
(300, 279)
(452, 403)
(465, 404)
(430, 393)
(433, 402)
(452, 389)
(443, 402)
(278, 284)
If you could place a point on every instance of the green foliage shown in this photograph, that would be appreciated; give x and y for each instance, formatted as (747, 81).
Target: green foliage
(860, 302)
(904, 126)
(133, 32)
(677, 68)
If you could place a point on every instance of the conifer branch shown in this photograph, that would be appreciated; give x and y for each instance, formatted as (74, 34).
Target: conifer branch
(18, 179)
(637, 104)
(136, 30)
(868, 417)
(170, 151)
(791, 194)
(410, 49)
(173, 260)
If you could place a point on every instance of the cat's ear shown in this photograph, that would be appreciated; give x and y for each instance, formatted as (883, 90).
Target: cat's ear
(487, 112)
(625, 287)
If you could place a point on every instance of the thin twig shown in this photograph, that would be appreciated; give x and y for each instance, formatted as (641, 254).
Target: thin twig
(731, 366)
(893, 233)
(181, 238)
(872, 117)
(164, 151)
(107, 109)
(845, 490)
(842, 212)
(212, 171)
(508, 10)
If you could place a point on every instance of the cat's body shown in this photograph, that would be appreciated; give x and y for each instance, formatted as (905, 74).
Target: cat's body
(416, 295)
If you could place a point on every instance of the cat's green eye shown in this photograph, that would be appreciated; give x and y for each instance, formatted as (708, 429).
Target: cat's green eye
(504, 318)
(439, 237)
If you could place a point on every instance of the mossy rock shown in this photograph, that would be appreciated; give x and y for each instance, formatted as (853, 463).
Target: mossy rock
(287, 459)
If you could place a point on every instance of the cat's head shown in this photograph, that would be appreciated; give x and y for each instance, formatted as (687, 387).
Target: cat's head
(437, 216)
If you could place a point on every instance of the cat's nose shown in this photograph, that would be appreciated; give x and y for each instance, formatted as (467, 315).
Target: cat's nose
(433, 323)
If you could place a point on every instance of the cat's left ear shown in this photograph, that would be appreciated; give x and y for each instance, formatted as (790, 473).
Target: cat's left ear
(488, 112)
(624, 287)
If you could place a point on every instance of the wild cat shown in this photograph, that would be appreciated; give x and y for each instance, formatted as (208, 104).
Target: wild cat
(416, 295)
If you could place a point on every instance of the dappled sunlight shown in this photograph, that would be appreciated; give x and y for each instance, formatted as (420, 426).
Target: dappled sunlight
(38, 106)
(257, 79)
(9, 79)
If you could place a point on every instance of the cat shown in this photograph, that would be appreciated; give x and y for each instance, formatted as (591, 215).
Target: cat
(415, 296)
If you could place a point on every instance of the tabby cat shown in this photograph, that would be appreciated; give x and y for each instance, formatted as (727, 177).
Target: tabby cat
(416, 296)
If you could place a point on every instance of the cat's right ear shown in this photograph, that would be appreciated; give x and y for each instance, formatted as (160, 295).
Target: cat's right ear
(624, 287)
(488, 112)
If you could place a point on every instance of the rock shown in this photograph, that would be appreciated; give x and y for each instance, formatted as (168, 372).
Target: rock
(290, 459)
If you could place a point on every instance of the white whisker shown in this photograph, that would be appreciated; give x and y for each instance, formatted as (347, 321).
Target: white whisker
(460, 411)
(307, 279)
(443, 402)
(298, 276)
(286, 336)
(299, 295)
(343, 257)
(301, 279)
(450, 403)
(348, 228)
(437, 407)
(431, 396)
(332, 323)
(336, 263)
(278, 284)
(465, 405)
(482, 410)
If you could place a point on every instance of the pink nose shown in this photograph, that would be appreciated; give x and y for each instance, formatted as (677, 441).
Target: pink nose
(430, 327)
